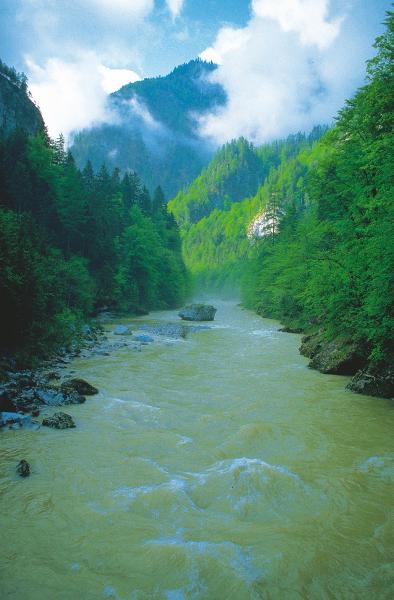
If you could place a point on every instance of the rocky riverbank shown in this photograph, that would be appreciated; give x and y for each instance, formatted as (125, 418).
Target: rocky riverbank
(344, 357)
(25, 394)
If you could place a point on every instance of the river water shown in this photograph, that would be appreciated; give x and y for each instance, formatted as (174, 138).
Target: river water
(216, 467)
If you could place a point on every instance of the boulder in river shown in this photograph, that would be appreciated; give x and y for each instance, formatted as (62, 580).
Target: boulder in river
(373, 382)
(122, 330)
(23, 468)
(59, 420)
(198, 312)
(80, 386)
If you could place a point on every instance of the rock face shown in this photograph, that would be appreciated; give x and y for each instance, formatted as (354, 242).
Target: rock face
(59, 420)
(80, 386)
(337, 357)
(23, 468)
(17, 111)
(198, 312)
(373, 382)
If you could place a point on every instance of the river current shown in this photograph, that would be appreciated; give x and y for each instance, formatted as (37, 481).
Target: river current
(216, 467)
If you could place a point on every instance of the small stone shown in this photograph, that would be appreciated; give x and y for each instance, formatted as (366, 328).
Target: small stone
(23, 468)
(59, 420)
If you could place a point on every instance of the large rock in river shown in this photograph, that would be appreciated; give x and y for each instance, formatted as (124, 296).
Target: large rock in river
(198, 312)
(80, 386)
(59, 420)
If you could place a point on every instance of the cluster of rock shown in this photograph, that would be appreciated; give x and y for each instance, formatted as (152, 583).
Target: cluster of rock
(344, 357)
(25, 394)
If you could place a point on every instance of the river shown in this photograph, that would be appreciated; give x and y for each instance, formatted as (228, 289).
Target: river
(217, 467)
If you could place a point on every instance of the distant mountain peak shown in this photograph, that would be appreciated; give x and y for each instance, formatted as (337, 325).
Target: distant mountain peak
(155, 129)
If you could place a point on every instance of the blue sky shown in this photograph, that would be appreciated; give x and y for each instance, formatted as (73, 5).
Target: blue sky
(296, 60)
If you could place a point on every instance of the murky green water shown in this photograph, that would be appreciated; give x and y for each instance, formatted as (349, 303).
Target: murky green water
(219, 467)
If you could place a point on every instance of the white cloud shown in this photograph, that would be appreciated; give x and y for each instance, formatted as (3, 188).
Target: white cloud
(73, 95)
(175, 7)
(143, 113)
(135, 9)
(114, 79)
(282, 72)
(308, 18)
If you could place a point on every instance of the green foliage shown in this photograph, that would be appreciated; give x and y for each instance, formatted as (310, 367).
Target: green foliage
(332, 265)
(71, 242)
(216, 246)
(19, 79)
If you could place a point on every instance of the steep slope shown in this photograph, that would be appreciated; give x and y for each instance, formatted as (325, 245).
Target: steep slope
(17, 111)
(154, 128)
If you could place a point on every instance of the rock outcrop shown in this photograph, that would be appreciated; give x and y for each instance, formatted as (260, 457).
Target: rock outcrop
(337, 357)
(17, 111)
(373, 382)
(198, 312)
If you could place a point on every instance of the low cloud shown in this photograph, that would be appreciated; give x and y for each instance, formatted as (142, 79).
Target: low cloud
(73, 95)
(287, 70)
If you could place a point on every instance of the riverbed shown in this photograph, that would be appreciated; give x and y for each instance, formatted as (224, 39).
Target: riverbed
(213, 467)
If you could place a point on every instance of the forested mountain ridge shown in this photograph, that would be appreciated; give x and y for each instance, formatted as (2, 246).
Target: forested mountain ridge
(74, 241)
(154, 128)
(215, 221)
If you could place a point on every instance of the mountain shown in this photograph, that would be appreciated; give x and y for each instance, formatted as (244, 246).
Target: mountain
(153, 128)
(17, 111)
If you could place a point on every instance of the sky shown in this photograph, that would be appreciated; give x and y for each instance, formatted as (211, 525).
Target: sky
(285, 64)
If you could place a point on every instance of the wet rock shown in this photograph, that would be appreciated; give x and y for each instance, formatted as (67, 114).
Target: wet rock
(52, 396)
(80, 386)
(373, 382)
(23, 468)
(59, 420)
(198, 312)
(291, 330)
(10, 419)
(122, 330)
(171, 330)
(144, 339)
(336, 357)
(310, 345)
(53, 375)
